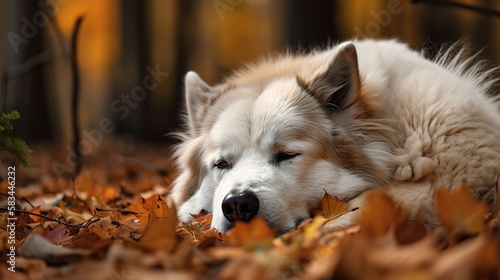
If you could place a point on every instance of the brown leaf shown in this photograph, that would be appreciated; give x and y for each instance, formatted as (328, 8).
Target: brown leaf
(69, 215)
(199, 230)
(202, 217)
(152, 207)
(160, 232)
(409, 231)
(254, 233)
(476, 258)
(363, 257)
(379, 214)
(331, 207)
(395, 257)
(37, 247)
(312, 230)
(109, 193)
(156, 207)
(58, 234)
(244, 266)
(36, 210)
(353, 261)
(459, 210)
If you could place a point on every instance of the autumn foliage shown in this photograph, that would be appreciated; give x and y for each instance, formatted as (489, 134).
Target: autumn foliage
(126, 228)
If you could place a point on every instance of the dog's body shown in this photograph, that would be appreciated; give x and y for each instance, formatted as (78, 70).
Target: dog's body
(274, 137)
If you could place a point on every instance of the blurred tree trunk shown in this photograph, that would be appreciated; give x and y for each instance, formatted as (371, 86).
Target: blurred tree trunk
(26, 92)
(310, 25)
(132, 64)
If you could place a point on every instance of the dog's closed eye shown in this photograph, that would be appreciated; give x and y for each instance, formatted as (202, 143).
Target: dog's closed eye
(281, 156)
(222, 164)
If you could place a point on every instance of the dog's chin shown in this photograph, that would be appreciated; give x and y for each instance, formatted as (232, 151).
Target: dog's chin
(225, 225)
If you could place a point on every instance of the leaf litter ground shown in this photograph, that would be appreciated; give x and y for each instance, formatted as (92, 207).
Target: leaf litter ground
(116, 221)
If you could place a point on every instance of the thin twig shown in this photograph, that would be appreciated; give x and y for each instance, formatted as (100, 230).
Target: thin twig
(18, 197)
(115, 210)
(74, 96)
(51, 219)
(341, 214)
(91, 222)
(460, 5)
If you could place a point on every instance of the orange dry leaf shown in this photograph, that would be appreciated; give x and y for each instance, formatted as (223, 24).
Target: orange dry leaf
(156, 207)
(331, 207)
(160, 234)
(36, 210)
(254, 233)
(459, 210)
(311, 231)
(475, 258)
(109, 193)
(379, 214)
(162, 220)
(203, 217)
(153, 207)
(409, 231)
(199, 230)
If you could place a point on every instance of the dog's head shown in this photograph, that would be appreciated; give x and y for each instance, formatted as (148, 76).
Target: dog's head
(272, 144)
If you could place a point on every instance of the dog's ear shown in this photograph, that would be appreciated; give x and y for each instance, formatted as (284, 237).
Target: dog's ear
(197, 94)
(338, 86)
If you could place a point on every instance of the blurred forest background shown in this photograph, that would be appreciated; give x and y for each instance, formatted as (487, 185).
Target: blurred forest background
(123, 43)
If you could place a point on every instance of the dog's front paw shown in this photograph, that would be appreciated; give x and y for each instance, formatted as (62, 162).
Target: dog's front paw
(404, 173)
(412, 162)
(415, 170)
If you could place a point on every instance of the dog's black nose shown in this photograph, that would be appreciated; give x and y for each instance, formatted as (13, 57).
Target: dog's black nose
(240, 206)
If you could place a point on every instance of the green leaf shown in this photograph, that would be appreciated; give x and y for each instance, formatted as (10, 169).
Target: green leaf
(9, 144)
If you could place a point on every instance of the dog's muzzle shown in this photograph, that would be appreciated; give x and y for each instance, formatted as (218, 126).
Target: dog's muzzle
(240, 206)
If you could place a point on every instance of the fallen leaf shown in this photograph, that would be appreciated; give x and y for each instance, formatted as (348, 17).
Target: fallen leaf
(203, 217)
(476, 258)
(58, 234)
(36, 210)
(379, 214)
(248, 267)
(156, 207)
(199, 230)
(459, 210)
(409, 231)
(69, 215)
(255, 233)
(311, 231)
(160, 231)
(109, 193)
(331, 207)
(395, 257)
(353, 262)
(37, 247)
(152, 207)
(160, 234)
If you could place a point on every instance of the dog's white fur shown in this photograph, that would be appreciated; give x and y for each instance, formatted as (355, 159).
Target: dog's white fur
(362, 114)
